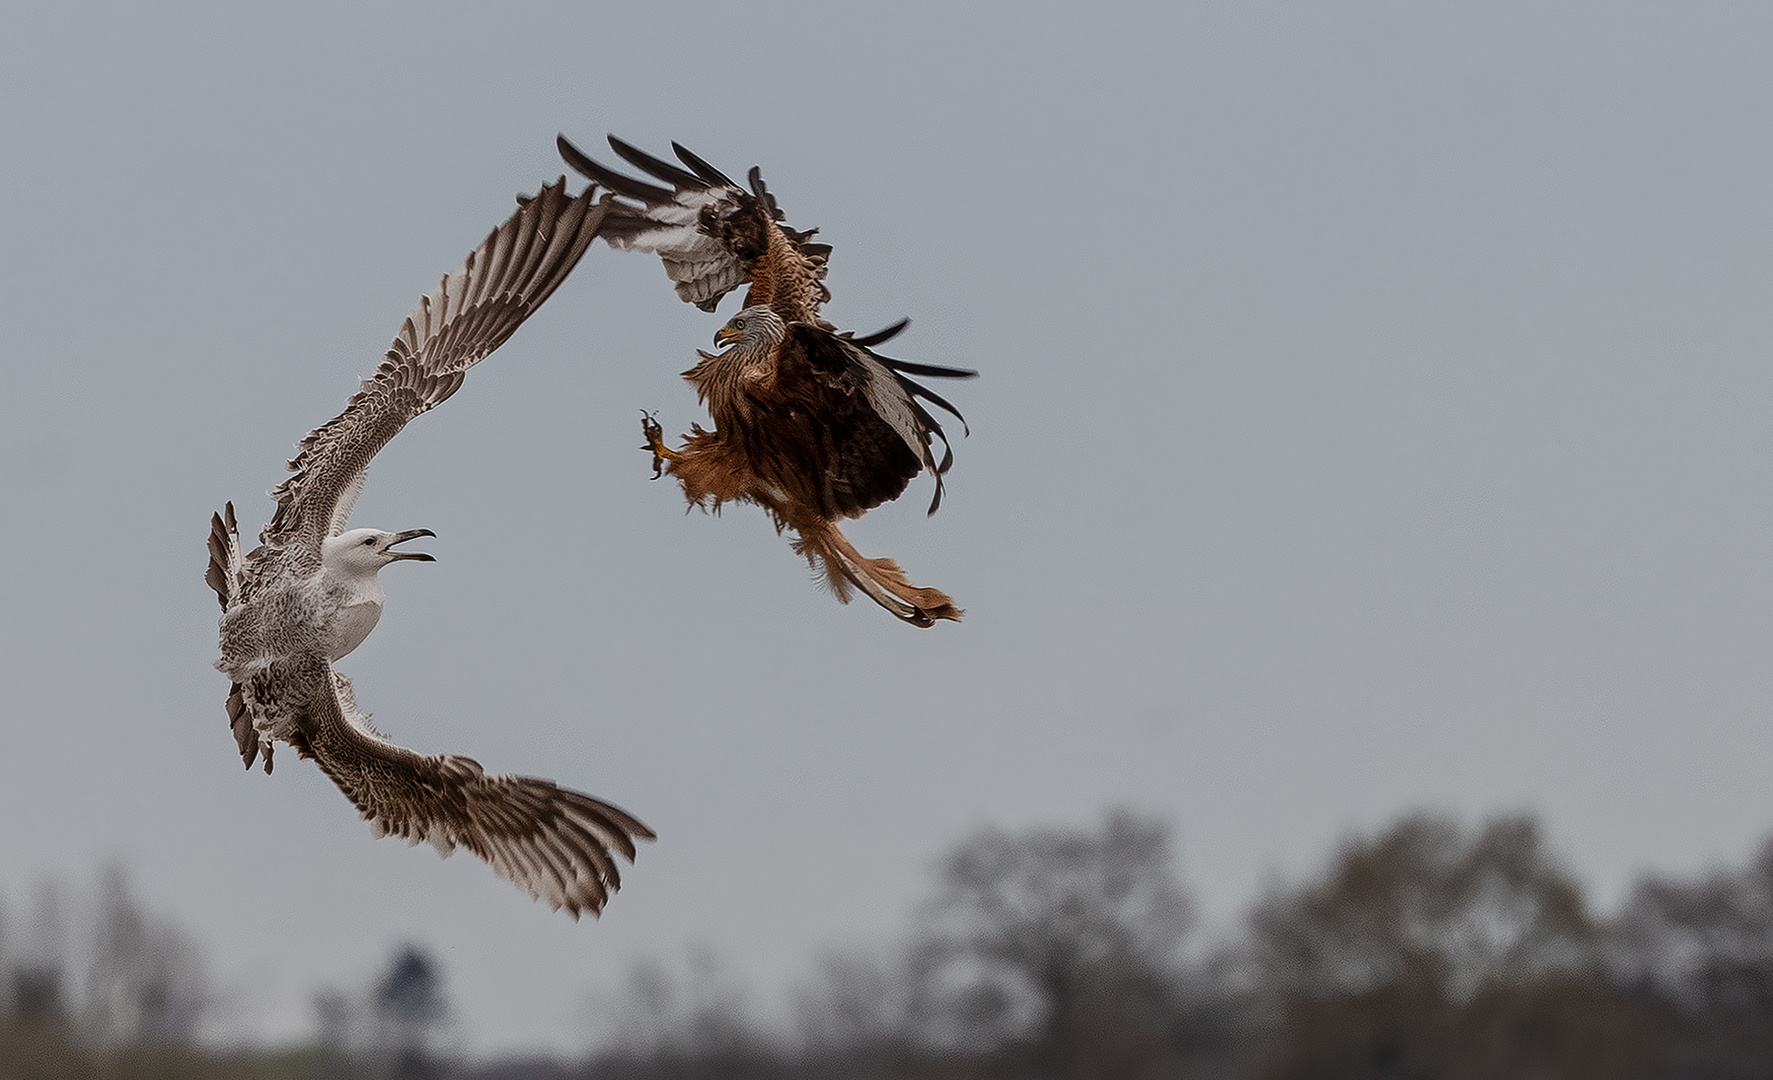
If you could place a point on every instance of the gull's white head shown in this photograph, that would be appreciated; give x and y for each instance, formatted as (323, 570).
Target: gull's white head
(362, 552)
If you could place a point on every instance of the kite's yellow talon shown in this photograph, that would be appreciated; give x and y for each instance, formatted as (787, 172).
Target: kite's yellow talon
(655, 441)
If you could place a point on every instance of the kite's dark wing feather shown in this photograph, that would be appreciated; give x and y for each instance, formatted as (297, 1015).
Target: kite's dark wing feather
(712, 235)
(879, 434)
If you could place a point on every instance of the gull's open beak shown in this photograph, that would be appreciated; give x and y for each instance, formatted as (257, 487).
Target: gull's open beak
(401, 538)
(726, 335)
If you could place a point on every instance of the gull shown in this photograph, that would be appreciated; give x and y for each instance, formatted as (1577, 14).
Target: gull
(311, 592)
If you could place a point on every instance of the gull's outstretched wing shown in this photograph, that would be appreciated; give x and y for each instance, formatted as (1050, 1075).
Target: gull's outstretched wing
(712, 235)
(555, 844)
(473, 312)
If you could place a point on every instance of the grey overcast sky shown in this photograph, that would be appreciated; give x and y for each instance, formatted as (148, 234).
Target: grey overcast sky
(1373, 415)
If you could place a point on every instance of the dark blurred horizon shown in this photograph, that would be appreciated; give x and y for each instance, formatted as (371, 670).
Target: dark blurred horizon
(1430, 948)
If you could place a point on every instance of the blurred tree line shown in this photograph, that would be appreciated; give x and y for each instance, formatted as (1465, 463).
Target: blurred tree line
(1427, 950)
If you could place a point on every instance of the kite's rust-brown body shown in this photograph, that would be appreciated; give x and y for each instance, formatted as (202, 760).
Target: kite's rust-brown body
(809, 423)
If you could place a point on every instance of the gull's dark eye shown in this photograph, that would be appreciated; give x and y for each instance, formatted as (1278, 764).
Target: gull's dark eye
(369, 540)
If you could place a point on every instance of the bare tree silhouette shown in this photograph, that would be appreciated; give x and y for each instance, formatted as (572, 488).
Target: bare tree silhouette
(410, 1009)
(1433, 951)
(39, 969)
(145, 979)
(1063, 941)
(1706, 948)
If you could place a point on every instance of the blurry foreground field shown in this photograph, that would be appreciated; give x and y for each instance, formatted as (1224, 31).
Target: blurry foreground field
(1429, 949)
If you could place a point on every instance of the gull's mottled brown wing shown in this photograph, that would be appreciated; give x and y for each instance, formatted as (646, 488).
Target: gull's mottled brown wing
(711, 234)
(473, 312)
(555, 844)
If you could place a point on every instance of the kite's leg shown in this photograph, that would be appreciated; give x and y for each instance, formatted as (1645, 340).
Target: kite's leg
(655, 441)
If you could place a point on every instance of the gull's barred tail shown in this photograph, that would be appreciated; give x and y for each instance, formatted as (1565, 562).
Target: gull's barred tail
(226, 571)
(224, 556)
(246, 736)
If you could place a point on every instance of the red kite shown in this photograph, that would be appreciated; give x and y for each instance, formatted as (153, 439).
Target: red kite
(811, 424)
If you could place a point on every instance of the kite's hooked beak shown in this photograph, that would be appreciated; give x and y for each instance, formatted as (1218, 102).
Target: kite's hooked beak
(726, 335)
(401, 538)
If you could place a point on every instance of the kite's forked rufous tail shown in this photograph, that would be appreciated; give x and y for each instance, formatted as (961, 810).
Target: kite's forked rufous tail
(882, 579)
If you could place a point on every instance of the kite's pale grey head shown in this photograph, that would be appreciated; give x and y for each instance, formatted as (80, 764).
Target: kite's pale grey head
(365, 551)
(753, 330)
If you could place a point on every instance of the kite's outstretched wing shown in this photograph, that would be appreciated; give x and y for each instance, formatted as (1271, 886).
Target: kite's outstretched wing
(553, 843)
(712, 235)
(473, 312)
(877, 434)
